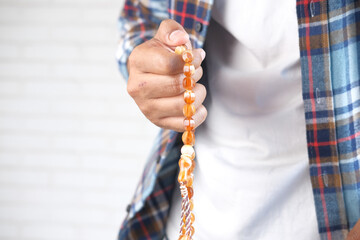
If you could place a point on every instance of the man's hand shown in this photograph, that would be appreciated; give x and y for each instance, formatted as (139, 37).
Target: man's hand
(354, 234)
(156, 76)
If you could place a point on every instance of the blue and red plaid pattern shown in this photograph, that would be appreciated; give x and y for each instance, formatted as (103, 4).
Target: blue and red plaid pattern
(329, 38)
(330, 54)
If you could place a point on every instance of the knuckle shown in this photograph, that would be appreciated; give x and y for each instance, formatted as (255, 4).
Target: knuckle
(136, 58)
(132, 58)
(132, 91)
(147, 111)
(164, 23)
(137, 87)
(152, 43)
(133, 87)
(156, 121)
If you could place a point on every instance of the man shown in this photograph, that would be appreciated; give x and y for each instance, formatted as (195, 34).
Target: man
(252, 171)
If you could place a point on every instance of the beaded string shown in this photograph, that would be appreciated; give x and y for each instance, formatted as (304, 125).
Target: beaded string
(186, 162)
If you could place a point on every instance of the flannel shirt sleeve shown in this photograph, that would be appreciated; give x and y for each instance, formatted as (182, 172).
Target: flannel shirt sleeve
(138, 22)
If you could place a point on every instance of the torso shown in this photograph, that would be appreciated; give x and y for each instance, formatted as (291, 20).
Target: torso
(252, 179)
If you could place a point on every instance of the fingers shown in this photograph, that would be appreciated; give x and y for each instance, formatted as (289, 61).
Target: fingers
(173, 107)
(155, 109)
(156, 77)
(151, 57)
(177, 123)
(150, 86)
(172, 33)
(167, 86)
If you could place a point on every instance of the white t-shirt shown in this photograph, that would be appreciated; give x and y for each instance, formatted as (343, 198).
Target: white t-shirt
(252, 177)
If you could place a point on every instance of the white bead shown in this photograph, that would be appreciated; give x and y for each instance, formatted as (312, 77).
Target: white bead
(180, 49)
(188, 150)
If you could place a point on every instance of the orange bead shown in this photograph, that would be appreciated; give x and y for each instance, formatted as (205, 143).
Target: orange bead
(188, 138)
(188, 83)
(180, 49)
(190, 192)
(189, 69)
(191, 204)
(189, 96)
(189, 124)
(187, 56)
(189, 110)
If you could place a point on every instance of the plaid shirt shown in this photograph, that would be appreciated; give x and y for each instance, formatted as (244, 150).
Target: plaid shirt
(329, 36)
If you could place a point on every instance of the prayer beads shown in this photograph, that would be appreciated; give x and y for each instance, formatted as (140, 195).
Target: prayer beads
(188, 151)
(188, 138)
(180, 49)
(189, 124)
(189, 69)
(189, 110)
(189, 97)
(188, 83)
(186, 162)
(187, 56)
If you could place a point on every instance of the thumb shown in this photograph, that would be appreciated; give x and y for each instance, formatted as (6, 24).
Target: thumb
(172, 33)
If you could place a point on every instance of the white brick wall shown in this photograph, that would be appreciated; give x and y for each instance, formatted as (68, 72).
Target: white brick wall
(72, 142)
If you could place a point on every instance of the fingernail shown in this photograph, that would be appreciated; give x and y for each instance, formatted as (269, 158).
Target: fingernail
(202, 54)
(176, 34)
